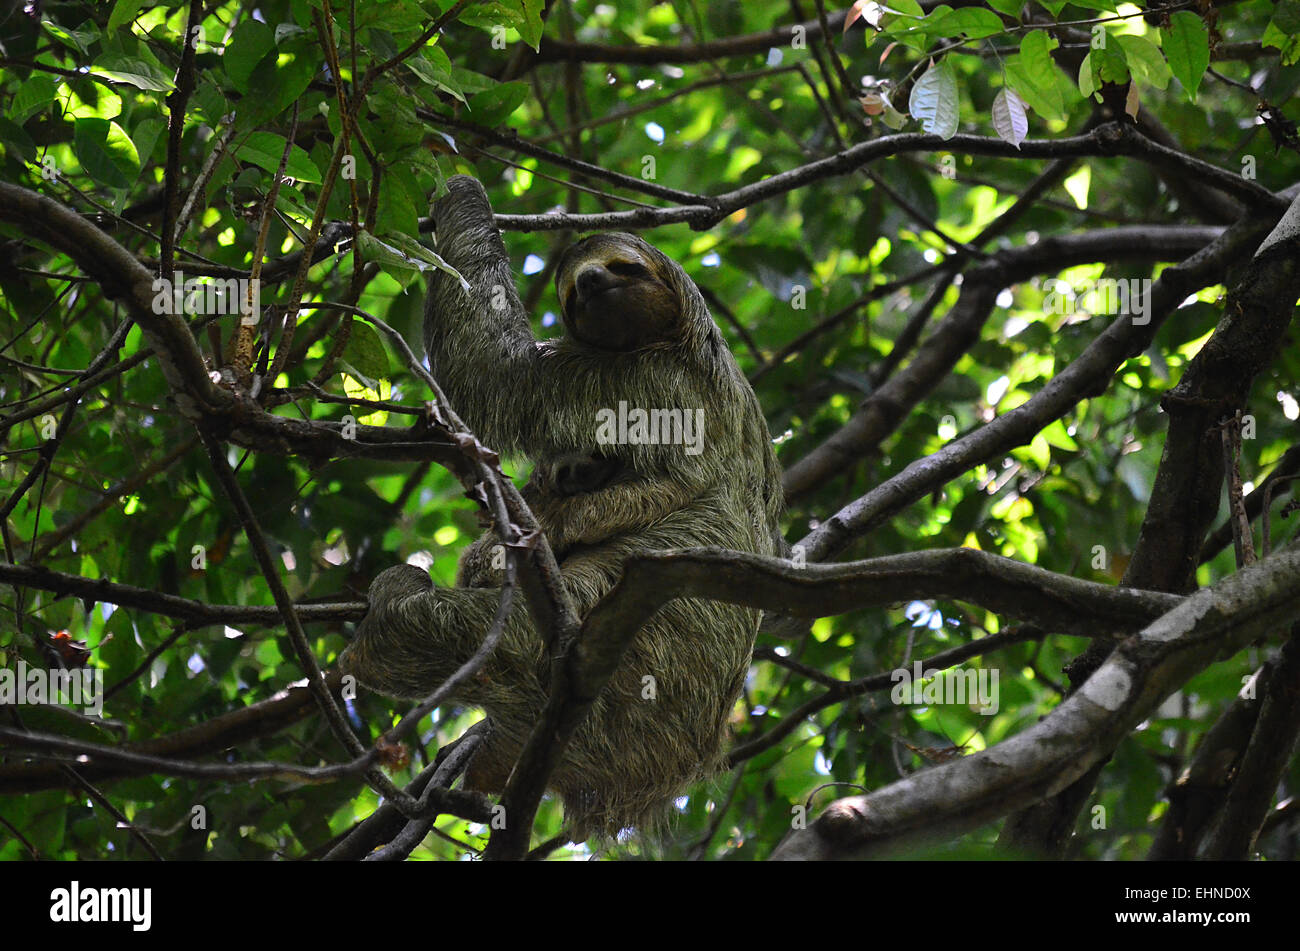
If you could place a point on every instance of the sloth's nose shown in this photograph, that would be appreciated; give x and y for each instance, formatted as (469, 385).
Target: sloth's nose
(593, 280)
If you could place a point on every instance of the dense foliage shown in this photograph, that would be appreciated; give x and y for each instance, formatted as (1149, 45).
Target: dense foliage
(827, 287)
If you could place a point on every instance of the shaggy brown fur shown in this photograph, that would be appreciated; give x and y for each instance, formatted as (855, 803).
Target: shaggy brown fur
(597, 503)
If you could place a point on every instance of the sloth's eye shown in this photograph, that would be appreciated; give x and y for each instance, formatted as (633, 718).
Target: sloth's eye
(626, 269)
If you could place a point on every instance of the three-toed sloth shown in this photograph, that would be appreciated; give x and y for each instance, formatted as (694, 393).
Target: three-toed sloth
(639, 345)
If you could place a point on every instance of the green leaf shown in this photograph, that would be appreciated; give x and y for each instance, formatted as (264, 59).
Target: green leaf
(124, 11)
(358, 388)
(365, 351)
(1087, 81)
(402, 257)
(1034, 75)
(274, 86)
(1287, 43)
(531, 27)
(400, 201)
(1057, 435)
(145, 136)
(264, 149)
(14, 141)
(524, 15)
(105, 152)
(470, 82)
(1286, 16)
(248, 46)
(904, 20)
(137, 72)
(33, 96)
(908, 8)
(1108, 62)
(80, 40)
(493, 106)
(1187, 44)
(975, 22)
(1010, 7)
(1145, 61)
(434, 68)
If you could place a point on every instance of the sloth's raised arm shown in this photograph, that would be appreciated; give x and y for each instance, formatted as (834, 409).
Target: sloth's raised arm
(481, 349)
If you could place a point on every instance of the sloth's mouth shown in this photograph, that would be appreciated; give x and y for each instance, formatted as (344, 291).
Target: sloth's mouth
(608, 292)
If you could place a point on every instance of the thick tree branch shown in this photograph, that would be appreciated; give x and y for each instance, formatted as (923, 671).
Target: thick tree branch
(965, 794)
(194, 613)
(1026, 592)
(1217, 383)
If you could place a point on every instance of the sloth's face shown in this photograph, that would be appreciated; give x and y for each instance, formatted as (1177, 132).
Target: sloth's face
(612, 295)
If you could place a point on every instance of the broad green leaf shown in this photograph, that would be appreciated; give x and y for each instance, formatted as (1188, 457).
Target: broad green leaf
(14, 141)
(1283, 31)
(1286, 16)
(1087, 81)
(1187, 44)
(975, 22)
(1056, 435)
(902, 21)
(470, 82)
(523, 15)
(909, 8)
(274, 86)
(1287, 43)
(1011, 8)
(531, 27)
(434, 68)
(80, 40)
(124, 11)
(368, 390)
(365, 351)
(493, 106)
(145, 136)
(1108, 62)
(105, 152)
(33, 96)
(137, 72)
(400, 203)
(1145, 60)
(402, 257)
(264, 150)
(248, 46)
(1034, 75)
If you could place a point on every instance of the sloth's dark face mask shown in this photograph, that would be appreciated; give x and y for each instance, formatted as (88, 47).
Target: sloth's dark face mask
(613, 294)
